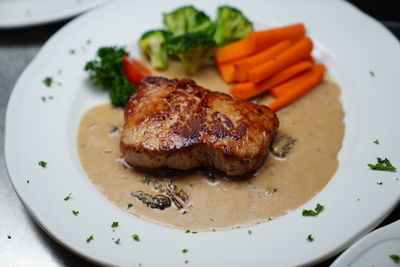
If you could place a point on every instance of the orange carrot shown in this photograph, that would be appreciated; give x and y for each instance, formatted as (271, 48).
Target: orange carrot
(244, 65)
(243, 90)
(234, 51)
(280, 90)
(297, 52)
(227, 72)
(297, 91)
(267, 38)
(248, 90)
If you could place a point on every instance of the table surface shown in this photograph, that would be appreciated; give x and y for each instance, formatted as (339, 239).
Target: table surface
(22, 241)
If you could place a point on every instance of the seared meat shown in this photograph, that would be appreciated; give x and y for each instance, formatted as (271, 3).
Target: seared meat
(180, 125)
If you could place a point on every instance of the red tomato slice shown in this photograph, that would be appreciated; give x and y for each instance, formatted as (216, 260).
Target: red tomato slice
(134, 69)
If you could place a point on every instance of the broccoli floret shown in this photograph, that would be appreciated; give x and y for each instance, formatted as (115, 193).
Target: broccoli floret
(153, 47)
(193, 49)
(231, 25)
(188, 19)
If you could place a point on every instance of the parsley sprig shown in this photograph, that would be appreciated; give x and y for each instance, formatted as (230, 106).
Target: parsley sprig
(382, 165)
(314, 212)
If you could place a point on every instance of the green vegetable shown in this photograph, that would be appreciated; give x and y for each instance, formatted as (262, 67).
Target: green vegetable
(193, 49)
(48, 81)
(117, 241)
(130, 205)
(146, 180)
(75, 212)
(187, 19)
(310, 238)
(186, 261)
(382, 165)
(185, 250)
(136, 237)
(250, 232)
(68, 197)
(90, 238)
(231, 25)
(395, 258)
(153, 46)
(376, 142)
(42, 164)
(106, 71)
(315, 212)
(114, 224)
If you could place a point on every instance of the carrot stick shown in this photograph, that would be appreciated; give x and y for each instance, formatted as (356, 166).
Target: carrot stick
(243, 90)
(299, 51)
(234, 51)
(267, 38)
(248, 90)
(242, 66)
(298, 91)
(280, 90)
(227, 72)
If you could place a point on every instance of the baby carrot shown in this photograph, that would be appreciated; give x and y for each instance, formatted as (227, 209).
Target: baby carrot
(243, 90)
(227, 72)
(285, 87)
(299, 51)
(267, 38)
(234, 51)
(248, 90)
(244, 65)
(296, 92)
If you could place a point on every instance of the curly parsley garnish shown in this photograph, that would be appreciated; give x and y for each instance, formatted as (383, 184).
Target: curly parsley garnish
(90, 238)
(42, 164)
(146, 180)
(395, 258)
(310, 238)
(382, 165)
(136, 237)
(314, 212)
(68, 197)
(48, 81)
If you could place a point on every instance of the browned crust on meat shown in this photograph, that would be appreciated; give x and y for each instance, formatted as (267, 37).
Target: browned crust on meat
(165, 117)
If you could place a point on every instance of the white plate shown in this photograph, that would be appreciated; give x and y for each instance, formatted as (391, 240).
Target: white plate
(347, 41)
(20, 13)
(374, 249)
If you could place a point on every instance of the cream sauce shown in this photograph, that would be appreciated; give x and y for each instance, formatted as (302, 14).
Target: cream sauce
(281, 185)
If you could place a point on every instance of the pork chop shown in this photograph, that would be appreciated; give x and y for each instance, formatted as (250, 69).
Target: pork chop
(179, 124)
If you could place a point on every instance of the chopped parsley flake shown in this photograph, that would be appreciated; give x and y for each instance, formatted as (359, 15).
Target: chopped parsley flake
(68, 197)
(310, 238)
(43, 164)
(136, 237)
(27, 181)
(90, 238)
(48, 81)
(186, 261)
(185, 250)
(194, 232)
(75, 212)
(114, 224)
(187, 231)
(250, 232)
(72, 51)
(395, 258)
(376, 142)
(9, 237)
(314, 212)
(117, 241)
(371, 73)
(379, 183)
(146, 180)
(382, 165)
(43, 98)
(88, 41)
(130, 205)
